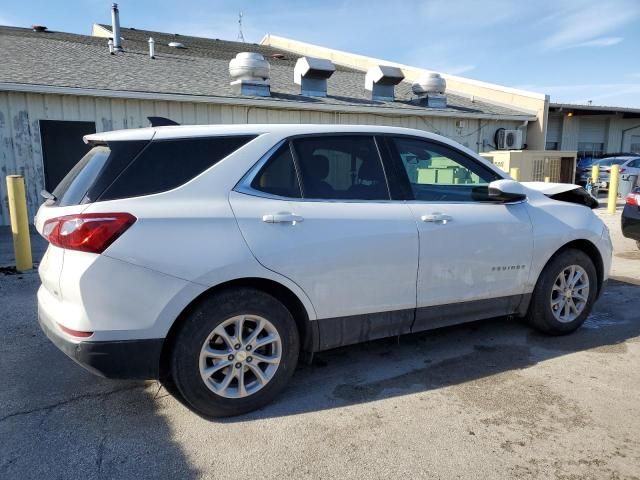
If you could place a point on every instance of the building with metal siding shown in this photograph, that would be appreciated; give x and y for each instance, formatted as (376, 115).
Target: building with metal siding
(54, 76)
(593, 131)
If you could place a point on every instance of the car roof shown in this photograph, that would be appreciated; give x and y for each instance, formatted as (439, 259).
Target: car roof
(626, 158)
(186, 131)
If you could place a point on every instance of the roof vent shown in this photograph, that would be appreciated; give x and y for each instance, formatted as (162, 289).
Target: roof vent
(115, 28)
(250, 74)
(381, 80)
(39, 28)
(176, 45)
(312, 74)
(433, 87)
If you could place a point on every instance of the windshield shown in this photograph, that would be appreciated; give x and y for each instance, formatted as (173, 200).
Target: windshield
(607, 162)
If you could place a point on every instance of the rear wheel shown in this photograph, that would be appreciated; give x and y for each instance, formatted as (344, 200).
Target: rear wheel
(235, 352)
(565, 293)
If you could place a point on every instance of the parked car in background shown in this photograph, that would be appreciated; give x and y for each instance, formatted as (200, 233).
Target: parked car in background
(629, 165)
(631, 216)
(211, 257)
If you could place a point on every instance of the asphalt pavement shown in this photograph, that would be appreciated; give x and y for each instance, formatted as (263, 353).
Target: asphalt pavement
(492, 399)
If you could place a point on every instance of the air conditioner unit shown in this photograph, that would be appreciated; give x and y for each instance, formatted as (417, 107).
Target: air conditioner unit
(509, 139)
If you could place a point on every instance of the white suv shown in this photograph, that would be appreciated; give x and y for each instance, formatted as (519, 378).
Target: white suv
(212, 256)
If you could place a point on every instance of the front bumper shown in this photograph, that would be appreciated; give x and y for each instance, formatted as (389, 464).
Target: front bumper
(132, 359)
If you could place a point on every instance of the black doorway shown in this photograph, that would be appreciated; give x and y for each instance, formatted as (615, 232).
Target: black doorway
(62, 147)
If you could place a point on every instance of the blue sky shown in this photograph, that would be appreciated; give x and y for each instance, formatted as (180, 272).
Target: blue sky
(573, 50)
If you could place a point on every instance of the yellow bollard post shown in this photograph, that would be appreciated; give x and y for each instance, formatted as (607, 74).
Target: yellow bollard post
(547, 179)
(613, 188)
(595, 173)
(515, 173)
(19, 222)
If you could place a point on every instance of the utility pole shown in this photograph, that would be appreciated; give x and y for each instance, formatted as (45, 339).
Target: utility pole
(240, 35)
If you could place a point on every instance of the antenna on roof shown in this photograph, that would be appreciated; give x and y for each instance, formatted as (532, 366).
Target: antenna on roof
(240, 35)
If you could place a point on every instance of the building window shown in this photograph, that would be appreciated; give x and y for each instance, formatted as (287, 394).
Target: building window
(551, 146)
(590, 150)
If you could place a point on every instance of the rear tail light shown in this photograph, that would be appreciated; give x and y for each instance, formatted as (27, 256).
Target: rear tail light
(621, 170)
(633, 199)
(87, 232)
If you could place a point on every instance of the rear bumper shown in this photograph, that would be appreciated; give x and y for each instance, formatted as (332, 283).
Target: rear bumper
(132, 359)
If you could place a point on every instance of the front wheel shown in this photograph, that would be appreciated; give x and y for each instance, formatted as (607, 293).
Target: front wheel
(234, 352)
(564, 294)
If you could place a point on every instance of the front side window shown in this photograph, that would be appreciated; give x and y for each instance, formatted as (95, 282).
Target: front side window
(341, 167)
(439, 173)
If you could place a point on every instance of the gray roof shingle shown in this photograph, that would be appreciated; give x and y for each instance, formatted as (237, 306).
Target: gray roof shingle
(80, 61)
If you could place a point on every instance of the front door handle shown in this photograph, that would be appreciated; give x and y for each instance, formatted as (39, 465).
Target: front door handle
(437, 218)
(284, 217)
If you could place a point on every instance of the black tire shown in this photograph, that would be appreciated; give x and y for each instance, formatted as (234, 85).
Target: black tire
(199, 324)
(540, 316)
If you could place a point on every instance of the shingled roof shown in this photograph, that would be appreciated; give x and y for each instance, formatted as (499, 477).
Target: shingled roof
(58, 59)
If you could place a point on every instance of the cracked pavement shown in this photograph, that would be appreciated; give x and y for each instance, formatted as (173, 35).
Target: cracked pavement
(486, 400)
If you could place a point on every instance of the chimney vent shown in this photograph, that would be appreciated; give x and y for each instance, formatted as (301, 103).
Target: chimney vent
(250, 73)
(152, 48)
(115, 28)
(312, 74)
(432, 87)
(381, 80)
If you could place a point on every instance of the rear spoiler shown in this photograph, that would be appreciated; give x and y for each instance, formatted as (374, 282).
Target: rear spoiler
(147, 133)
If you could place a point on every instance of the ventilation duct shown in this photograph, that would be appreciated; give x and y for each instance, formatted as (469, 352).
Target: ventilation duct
(115, 28)
(381, 81)
(312, 74)
(250, 74)
(432, 87)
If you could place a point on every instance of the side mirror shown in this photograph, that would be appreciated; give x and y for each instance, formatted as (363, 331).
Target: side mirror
(506, 191)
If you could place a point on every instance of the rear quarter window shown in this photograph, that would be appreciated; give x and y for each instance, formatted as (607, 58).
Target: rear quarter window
(167, 164)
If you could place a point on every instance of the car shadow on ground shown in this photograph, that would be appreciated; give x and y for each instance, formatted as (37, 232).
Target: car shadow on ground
(59, 421)
(449, 356)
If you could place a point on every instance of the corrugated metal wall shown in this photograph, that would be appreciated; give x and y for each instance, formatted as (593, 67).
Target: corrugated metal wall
(554, 128)
(593, 130)
(21, 151)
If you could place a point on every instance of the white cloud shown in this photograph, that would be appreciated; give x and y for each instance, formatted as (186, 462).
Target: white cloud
(608, 94)
(584, 22)
(458, 69)
(601, 42)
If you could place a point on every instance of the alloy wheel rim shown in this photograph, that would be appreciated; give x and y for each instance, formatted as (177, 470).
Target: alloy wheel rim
(240, 356)
(570, 293)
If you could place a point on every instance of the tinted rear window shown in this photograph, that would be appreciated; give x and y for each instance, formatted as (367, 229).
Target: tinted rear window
(73, 187)
(167, 164)
(95, 171)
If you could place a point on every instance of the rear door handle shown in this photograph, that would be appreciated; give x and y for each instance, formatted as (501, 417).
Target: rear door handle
(284, 217)
(437, 218)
